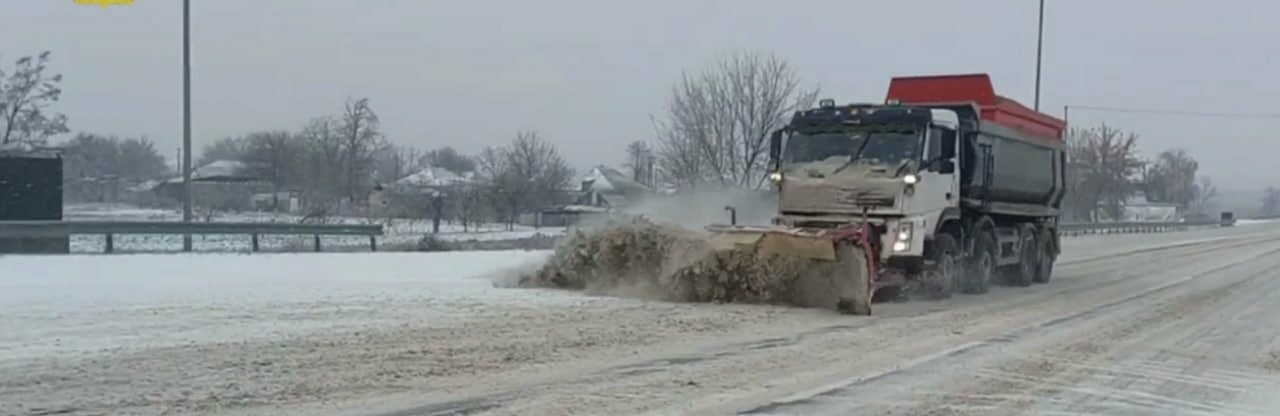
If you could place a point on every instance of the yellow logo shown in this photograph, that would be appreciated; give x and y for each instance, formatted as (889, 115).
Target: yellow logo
(103, 3)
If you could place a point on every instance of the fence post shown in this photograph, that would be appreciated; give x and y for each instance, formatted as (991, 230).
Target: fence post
(111, 244)
(317, 243)
(254, 237)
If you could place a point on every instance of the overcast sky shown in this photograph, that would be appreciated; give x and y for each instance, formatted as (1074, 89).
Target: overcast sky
(588, 74)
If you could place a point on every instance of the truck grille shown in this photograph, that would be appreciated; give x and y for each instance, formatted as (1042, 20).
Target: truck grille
(851, 197)
(831, 199)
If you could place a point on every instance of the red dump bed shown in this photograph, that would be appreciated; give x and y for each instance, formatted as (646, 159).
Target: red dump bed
(975, 88)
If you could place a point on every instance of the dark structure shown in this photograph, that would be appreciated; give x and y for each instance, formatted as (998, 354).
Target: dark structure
(31, 190)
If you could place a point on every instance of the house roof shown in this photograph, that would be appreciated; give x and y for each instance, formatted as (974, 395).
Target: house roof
(219, 169)
(216, 171)
(607, 180)
(430, 179)
(433, 177)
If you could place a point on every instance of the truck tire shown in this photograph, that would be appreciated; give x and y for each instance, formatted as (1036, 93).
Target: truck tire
(944, 275)
(982, 266)
(1044, 270)
(1024, 273)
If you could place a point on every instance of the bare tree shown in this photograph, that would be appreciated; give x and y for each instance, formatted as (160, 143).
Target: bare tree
(1270, 202)
(393, 162)
(89, 156)
(497, 181)
(322, 182)
(1102, 171)
(277, 156)
(718, 122)
(358, 127)
(527, 174)
(541, 172)
(25, 94)
(468, 205)
(680, 161)
(1206, 194)
(449, 159)
(94, 156)
(1171, 178)
(227, 148)
(641, 161)
(139, 160)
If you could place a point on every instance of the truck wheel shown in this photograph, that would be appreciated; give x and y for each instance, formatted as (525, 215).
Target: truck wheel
(944, 275)
(1025, 272)
(1044, 269)
(982, 266)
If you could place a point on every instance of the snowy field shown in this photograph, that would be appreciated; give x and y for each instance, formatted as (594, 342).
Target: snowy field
(76, 305)
(401, 234)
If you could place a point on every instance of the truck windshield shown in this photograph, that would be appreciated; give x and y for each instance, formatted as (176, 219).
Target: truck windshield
(877, 146)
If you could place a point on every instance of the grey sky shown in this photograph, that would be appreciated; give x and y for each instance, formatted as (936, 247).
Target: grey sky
(587, 74)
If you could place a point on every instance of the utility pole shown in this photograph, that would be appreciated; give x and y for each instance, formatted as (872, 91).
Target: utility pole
(1039, 52)
(186, 120)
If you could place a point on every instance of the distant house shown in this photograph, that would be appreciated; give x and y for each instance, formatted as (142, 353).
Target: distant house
(413, 195)
(604, 186)
(430, 180)
(601, 191)
(1139, 209)
(222, 171)
(220, 185)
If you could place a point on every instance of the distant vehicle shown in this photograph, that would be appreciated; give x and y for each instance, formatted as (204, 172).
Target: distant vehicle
(1228, 219)
(1197, 218)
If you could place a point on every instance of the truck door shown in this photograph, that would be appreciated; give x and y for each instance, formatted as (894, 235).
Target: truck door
(939, 186)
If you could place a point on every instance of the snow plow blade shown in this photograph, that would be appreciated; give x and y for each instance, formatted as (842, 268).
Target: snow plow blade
(826, 268)
(835, 271)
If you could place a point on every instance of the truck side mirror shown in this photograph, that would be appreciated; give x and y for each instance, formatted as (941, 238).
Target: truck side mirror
(775, 147)
(946, 167)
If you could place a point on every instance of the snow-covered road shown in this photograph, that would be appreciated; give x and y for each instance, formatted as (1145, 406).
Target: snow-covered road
(415, 333)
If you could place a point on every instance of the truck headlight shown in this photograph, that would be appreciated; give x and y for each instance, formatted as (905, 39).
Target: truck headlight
(911, 179)
(775, 177)
(903, 242)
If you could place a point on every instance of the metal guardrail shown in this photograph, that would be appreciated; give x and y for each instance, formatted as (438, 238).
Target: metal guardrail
(1130, 227)
(61, 229)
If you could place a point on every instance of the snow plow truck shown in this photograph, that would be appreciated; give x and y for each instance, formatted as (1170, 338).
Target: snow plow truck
(945, 187)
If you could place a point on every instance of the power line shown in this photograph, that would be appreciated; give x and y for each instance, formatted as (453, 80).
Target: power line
(1173, 112)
